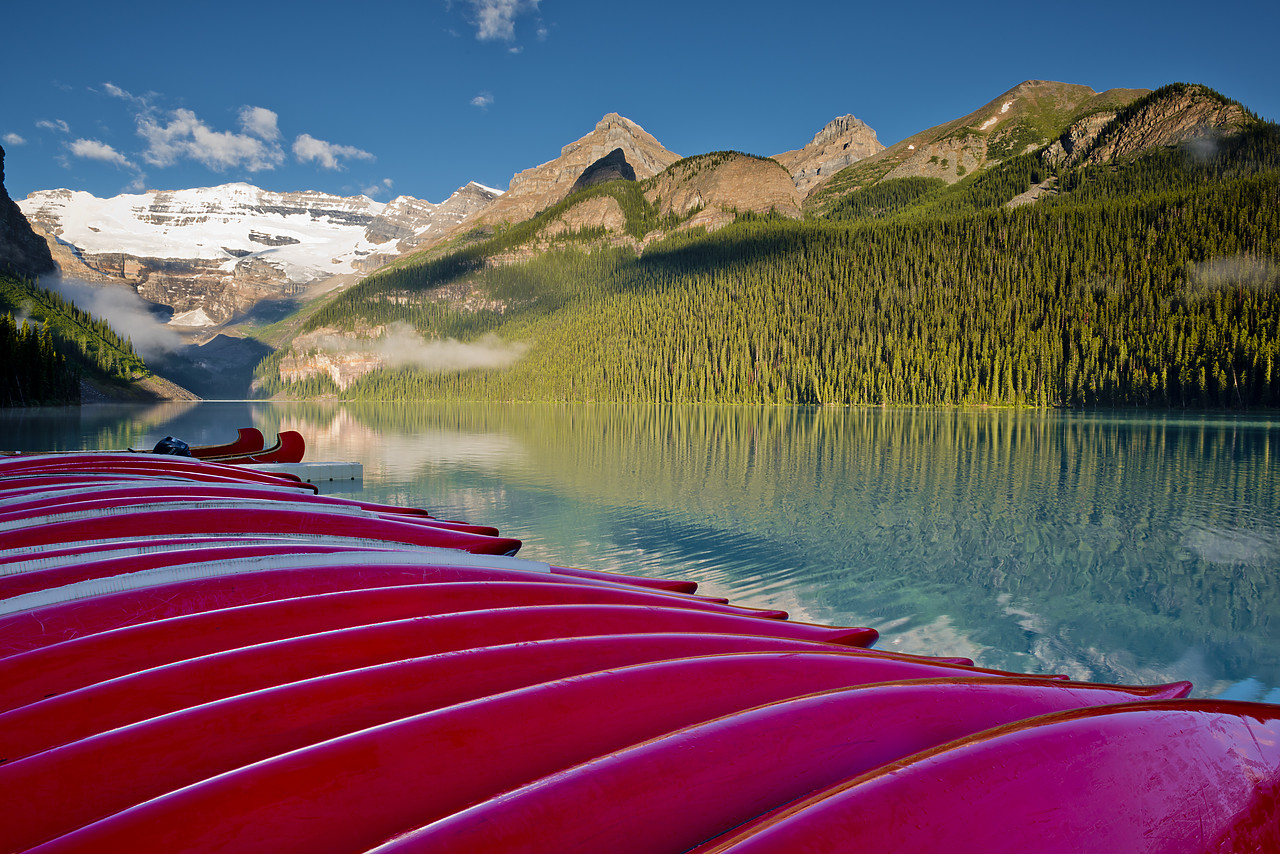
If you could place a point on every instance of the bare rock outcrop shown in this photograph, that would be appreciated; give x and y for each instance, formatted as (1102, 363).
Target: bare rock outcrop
(536, 189)
(845, 140)
(22, 251)
(715, 187)
(599, 212)
(1172, 115)
(1068, 148)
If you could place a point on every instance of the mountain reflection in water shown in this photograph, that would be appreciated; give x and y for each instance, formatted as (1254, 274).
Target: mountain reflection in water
(1111, 547)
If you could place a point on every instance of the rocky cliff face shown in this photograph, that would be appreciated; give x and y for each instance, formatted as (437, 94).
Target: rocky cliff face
(844, 141)
(342, 366)
(708, 190)
(1172, 115)
(212, 253)
(612, 167)
(599, 212)
(716, 186)
(538, 188)
(22, 252)
(1071, 146)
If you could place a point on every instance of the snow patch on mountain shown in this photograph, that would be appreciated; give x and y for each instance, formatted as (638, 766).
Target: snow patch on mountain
(305, 235)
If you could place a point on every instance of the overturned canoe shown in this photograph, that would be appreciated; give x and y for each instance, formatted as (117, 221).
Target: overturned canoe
(197, 656)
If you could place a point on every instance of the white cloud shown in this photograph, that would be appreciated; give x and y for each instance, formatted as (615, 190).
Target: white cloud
(260, 122)
(483, 100)
(1232, 273)
(374, 190)
(181, 135)
(495, 20)
(120, 306)
(257, 145)
(92, 149)
(116, 92)
(57, 125)
(186, 136)
(401, 346)
(307, 148)
(13, 139)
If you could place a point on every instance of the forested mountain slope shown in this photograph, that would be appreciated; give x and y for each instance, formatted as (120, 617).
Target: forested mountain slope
(1149, 278)
(55, 352)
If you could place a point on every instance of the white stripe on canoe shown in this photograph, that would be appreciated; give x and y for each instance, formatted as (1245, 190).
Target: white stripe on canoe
(87, 491)
(31, 559)
(152, 506)
(213, 569)
(146, 544)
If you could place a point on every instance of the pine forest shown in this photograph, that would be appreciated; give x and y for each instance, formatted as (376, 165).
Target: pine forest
(1153, 283)
(49, 345)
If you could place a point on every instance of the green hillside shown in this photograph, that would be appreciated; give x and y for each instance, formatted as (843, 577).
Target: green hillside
(51, 345)
(1040, 111)
(1149, 282)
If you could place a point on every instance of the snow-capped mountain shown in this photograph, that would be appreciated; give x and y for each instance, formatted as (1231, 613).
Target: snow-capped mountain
(213, 252)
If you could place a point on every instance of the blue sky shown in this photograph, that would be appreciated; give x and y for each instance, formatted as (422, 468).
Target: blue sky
(419, 98)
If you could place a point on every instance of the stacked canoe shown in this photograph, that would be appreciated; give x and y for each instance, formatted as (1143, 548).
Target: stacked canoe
(197, 656)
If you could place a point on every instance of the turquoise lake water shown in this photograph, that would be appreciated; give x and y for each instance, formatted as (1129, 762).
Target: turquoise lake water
(1114, 547)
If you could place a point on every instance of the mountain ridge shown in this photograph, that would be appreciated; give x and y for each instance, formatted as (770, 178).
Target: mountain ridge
(1028, 116)
(546, 207)
(220, 250)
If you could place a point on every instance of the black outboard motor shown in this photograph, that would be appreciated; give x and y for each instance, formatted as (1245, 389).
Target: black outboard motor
(173, 447)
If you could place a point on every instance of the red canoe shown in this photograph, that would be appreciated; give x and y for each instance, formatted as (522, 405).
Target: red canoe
(212, 518)
(290, 447)
(161, 465)
(661, 771)
(41, 619)
(46, 480)
(796, 746)
(151, 490)
(22, 578)
(248, 440)
(1142, 778)
(275, 717)
(249, 668)
(87, 505)
(97, 657)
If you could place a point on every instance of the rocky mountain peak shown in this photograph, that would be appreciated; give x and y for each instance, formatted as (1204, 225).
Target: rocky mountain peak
(843, 141)
(535, 189)
(840, 126)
